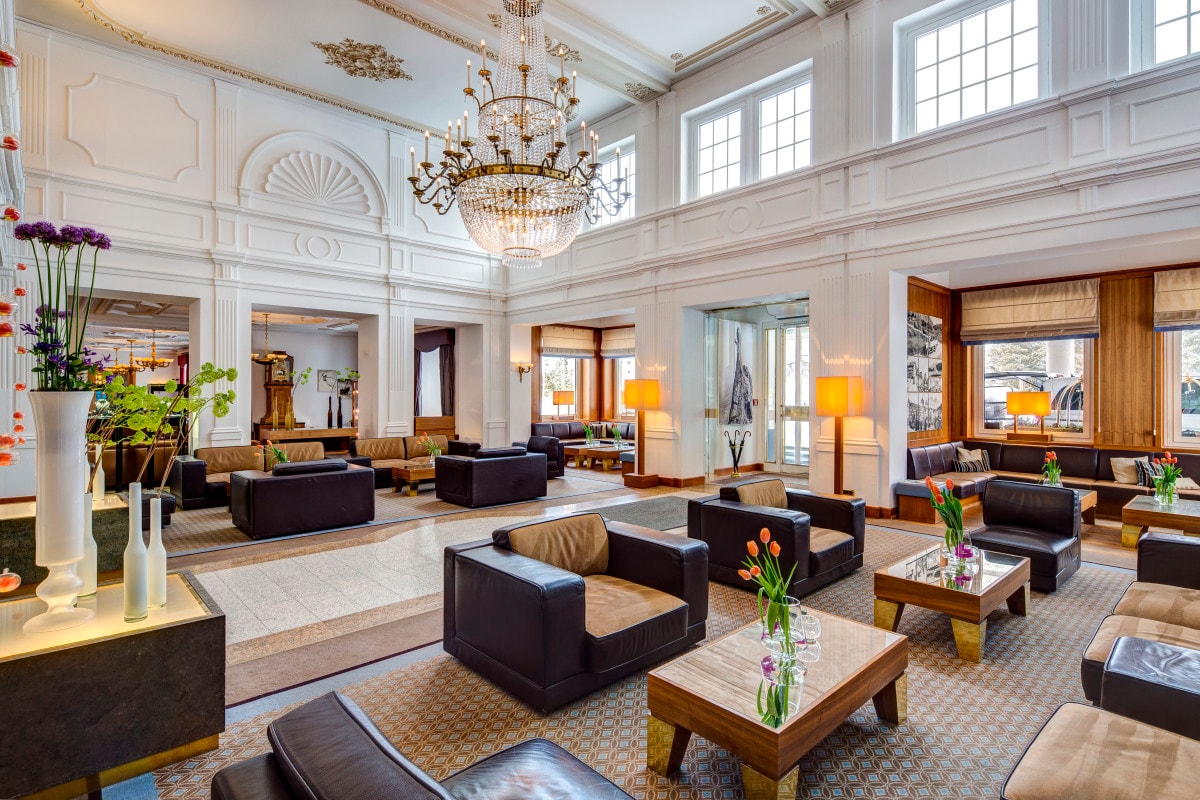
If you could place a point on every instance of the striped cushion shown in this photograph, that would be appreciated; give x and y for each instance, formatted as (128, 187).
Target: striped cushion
(970, 466)
(1147, 471)
(980, 464)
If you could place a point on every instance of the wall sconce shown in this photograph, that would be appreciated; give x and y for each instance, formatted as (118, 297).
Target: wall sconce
(523, 369)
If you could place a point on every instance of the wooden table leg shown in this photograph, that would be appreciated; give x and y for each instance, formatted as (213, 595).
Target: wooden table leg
(412, 488)
(1130, 534)
(1018, 601)
(891, 703)
(665, 745)
(887, 614)
(969, 637)
(1089, 515)
(759, 787)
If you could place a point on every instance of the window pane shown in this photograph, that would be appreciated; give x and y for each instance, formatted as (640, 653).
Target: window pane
(999, 92)
(1170, 41)
(926, 83)
(779, 144)
(949, 75)
(974, 101)
(973, 67)
(999, 22)
(1189, 388)
(706, 135)
(999, 58)
(804, 94)
(767, 165)
(1025, 15)
(1037, 366)
(926, 50)
(1176, 29)
(948, 109)
(723, 147)
(787, 159)
(926, 115)
(1025, 85)
(558, 374)
(1025, 49)
(973, 32)
(767, 110)
(1167, 10)
(948, 41)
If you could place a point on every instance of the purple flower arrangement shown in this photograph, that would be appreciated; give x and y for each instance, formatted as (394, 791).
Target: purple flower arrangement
(60, 319)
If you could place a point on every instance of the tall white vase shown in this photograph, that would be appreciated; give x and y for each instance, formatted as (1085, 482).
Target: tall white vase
(60, 419)
(86, 569)
(135, 560)
(156, 558)
(98, 481)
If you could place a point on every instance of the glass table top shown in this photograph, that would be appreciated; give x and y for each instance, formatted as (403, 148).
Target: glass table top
(924, 568)
(729, 672)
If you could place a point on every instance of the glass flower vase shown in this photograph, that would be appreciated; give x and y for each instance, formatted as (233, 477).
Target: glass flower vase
(959, 556)
(782, 633)
(1164, 492)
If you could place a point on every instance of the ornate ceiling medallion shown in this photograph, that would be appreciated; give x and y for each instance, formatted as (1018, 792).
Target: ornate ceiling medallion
(764, 10)
(361, 60)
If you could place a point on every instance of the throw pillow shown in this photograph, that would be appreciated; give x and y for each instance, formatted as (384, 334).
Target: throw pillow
(1124, 471)
(970, 466)
(1186, 483)
(1146, 471)
(979, 455)
(576, 543)
(771, 493)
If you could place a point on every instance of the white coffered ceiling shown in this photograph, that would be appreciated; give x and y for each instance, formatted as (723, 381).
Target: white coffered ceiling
(626, 50)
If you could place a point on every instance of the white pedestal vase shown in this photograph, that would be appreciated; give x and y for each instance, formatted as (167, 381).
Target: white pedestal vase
(156, 559)
(135, 560)
(86, 569)
(60, 419)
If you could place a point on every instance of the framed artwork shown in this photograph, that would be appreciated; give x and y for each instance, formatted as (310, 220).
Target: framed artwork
(280, 373)
(924, 373)
(327, 381)
(738, 360)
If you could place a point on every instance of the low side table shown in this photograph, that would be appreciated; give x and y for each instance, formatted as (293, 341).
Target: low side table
(919, 580)
(409, 478)
(577, 452)
(1142, 512)
(109, 700)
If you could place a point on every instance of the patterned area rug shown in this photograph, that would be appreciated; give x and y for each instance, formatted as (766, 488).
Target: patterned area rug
(207, 528)
(967, 724)
(660, 513)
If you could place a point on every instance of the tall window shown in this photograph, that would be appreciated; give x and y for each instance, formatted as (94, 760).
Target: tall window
(1176, 29)
(985, 57)
(1060, 367)
(623, 370)
(1182, 393)
(623, 166)
(785, 131)
(719, 165)
(559, 374)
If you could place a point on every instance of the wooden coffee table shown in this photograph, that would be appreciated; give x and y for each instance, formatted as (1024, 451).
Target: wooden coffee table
(713, 692)
(409, 478)
(1142, 512)
(577, 452)
(607, 456)
(919, 580)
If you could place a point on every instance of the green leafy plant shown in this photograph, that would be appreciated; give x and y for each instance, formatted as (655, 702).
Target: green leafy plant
(300, 378)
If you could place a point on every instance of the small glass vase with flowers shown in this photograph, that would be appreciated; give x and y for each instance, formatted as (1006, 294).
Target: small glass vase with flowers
(1051, 471)
(958, 555)
(1164, 484)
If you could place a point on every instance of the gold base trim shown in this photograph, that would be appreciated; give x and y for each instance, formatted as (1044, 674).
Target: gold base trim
(759, 787)
(94, 783)
(969, 638)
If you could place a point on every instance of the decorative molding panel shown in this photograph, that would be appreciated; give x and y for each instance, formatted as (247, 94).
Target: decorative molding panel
(273, 240)
(1006, 155)
(606, 251)
(317, 179)
(1164, 117)
(447, 268)
(360, 254)
(787, 208)
(1088, 133)
(146, 220)
(124, 142)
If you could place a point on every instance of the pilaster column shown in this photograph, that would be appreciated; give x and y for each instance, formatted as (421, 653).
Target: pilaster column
(830, 102)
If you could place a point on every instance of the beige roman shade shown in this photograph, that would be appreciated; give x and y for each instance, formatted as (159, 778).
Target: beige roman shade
(1065, 310)
(559, 340)
(1177, 299)
(617, 343)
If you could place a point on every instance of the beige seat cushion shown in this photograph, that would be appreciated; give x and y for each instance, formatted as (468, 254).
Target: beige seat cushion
(1171, 604)
(296, 451)
(612, 604)
(414, 449)
(231, 459)
(216, 477)
(380, 449)
(1117, 626)
(1086, 752)
(578, 543)
(824, 538)
(763, 493)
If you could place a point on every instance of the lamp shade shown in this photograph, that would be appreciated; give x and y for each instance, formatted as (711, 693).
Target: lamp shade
(564, 398)
(1028, 404)
(840, 396)
(641, 394)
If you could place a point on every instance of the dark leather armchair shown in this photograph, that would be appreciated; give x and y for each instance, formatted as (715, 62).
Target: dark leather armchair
(1041, 523)
(457, 447)
(509, 477)
(329, 748)
(552, 448)
(597, 601)
(301, 497)
(822, 535)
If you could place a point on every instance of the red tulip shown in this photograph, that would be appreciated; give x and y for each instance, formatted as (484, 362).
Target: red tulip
(10, 143)
(755, 571)
(745, 573)
(752, 548)
(764, 536)
(20, 291)
(20, 387)
(775, 548)
(18, 428)
(6, 329)
(7, 440)
(6, 458)
(11, 214)
(21, 266)
(9, 59)
(21, 350)
(6, 308)
(1156, 461)
(18, 415)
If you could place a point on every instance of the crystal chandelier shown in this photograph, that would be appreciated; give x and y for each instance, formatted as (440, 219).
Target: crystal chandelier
(154, 362)
(267, 358)
(521, 192)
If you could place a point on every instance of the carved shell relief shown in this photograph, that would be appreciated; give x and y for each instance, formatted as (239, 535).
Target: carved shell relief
(320, 180)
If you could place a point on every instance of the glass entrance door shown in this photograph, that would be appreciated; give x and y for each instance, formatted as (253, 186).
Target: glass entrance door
(787, 349)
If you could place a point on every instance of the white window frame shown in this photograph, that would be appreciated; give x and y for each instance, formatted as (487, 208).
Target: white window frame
(979, 429)
(1172, 408)
(628, 147)
(1142, 37)
(748, 102)
(906, 33)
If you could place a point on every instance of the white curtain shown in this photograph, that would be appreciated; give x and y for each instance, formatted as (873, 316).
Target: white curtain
(429, 401)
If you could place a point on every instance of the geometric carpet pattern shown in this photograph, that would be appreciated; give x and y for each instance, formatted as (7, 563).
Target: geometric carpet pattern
(967, 723)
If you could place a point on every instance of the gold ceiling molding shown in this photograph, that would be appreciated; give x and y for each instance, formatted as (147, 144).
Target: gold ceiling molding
(552, 46)
(640, 91)
(763, 21)
(136, 38)
(359, 60)
(392, 10)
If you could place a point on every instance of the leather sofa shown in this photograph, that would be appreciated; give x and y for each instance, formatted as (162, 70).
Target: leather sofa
(493, 476)
(199, 481)
(301, 497)
(1162, 605)
(822, 535)
(553, 610)
(395, 451)
(328, 748)
(1082, 468)
(1041, 523)
(552, 448)
(571, 433)
(131, 458)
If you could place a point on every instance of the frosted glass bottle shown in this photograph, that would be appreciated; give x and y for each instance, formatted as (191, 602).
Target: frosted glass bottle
(135, 560)
(156, 559)
(86, 568)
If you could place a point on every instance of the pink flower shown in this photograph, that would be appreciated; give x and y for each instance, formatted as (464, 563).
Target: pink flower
(10, 143)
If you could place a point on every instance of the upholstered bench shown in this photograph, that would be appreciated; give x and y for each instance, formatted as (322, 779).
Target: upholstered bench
(329, 748)
(301, 497)
(1117, 626)
(200, 481)
(1154, 683)
(913, 495)
(1087, 752)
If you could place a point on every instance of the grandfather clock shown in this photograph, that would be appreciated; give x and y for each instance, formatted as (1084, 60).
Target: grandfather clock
(278, 383)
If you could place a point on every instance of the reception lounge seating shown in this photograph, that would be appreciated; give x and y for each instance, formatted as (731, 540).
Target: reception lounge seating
(822, 535)
(495, 475)
(328, 748)
(301, 497)
(1041, 523)
(395, 451)
(553, 610)
(199, 481)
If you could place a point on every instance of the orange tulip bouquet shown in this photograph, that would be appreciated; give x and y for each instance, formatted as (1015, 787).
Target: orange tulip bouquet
(1051, 470)
(780, 690)
(959, 553)
(1164, 484)
(765, 570)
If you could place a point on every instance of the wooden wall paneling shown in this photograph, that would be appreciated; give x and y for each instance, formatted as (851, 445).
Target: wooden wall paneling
(535, 377)
(928, 298)
(1125, 363)
(957, 382)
